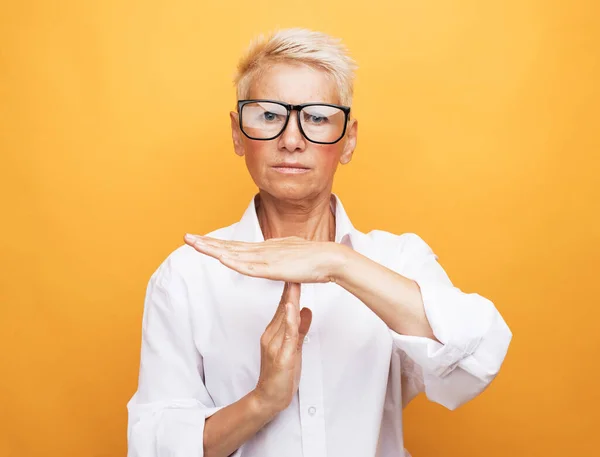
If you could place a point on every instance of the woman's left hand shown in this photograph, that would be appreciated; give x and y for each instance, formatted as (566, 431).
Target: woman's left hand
(291, 259)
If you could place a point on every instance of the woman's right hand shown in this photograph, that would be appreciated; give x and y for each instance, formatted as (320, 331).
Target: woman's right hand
(281, 351)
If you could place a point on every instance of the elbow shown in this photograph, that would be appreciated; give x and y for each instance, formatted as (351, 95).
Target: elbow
(488, 358)
(474, 373)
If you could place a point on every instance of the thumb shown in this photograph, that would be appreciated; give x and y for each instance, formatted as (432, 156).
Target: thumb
(293, 293)
(305, 321)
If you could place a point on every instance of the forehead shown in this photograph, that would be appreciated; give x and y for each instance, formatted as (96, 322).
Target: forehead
(294, 83)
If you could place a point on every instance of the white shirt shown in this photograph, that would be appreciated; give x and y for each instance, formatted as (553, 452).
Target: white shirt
(200, 352)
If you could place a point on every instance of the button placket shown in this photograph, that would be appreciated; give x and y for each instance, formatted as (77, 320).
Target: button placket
(310, 391)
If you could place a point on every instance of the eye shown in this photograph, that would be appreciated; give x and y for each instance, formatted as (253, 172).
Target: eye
(269, 116)
(315, 118)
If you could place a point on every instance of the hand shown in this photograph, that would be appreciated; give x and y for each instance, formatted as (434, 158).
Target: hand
(291, 259)
(281, 351)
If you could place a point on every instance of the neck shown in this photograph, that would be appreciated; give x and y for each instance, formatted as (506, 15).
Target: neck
(311, 219)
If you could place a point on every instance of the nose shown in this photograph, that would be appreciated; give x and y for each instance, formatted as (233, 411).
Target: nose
(292, 139)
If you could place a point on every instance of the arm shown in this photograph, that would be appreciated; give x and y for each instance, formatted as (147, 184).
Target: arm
(281, 362)
(229, 428)
(172, 413)
(396, 299)
(456, 340)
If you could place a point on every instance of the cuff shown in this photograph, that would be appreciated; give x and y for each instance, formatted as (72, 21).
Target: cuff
(174, 429)
(458, 320)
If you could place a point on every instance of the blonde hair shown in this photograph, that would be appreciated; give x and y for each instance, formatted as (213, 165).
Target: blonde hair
(303, 46)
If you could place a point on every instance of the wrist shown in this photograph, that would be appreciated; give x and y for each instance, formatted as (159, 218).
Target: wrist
(261, 407)
(339, 260)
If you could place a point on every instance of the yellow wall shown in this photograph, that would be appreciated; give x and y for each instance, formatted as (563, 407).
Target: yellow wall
(478, 130)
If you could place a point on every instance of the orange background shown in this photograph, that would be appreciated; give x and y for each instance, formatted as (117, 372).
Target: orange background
(478, 130)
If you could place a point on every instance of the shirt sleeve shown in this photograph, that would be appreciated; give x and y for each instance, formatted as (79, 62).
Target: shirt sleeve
(168, 411)
(473, 336)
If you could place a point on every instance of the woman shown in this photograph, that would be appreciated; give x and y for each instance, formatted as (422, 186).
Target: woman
(290, 333)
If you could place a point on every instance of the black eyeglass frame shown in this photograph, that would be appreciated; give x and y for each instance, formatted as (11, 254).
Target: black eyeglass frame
(290, 108)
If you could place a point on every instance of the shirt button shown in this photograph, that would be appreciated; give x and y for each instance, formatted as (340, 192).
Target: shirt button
(306, 339)
(312, 410)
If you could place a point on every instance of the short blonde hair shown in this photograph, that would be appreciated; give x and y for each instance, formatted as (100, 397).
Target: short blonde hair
(303, 46)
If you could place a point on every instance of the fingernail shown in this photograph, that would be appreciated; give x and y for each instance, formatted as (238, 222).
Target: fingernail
(190, 238)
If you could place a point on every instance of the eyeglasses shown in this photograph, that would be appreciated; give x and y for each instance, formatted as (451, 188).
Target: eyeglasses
(320, 123)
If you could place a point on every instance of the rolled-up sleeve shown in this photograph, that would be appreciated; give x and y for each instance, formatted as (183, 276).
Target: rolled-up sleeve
(473, 336)
(168, 411)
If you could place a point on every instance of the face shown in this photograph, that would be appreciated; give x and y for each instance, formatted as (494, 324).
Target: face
(314, 165)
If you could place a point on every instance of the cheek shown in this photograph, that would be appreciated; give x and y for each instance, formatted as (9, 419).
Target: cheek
(328, 157)
(257, 153)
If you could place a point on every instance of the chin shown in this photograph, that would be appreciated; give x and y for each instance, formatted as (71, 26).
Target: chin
(289, 192)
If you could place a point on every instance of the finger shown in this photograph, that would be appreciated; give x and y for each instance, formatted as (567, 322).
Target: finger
(249, 259)
(198, 240)
(291, 293)
(289, 347)
(300, 317)
(294, 293)
(305, 321)
(276, 320)
(284, 295)
(249, 251)
(227, 258)
(286, 288)
(278, 338)
(244, 258)
(217, 242)
(272, 329)
(281, 307)
(211, 249)
(285, 298)
(208, 245)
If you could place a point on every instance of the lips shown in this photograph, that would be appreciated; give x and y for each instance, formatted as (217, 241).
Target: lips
(291, 168)
(291, 165)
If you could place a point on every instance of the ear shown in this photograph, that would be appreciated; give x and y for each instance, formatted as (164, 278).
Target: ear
(350, 144)
(236, 134)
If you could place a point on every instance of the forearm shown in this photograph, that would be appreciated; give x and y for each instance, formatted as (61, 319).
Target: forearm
(394, 298)
(230, 427)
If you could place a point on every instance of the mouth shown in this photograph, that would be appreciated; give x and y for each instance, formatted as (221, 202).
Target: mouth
(291, 169)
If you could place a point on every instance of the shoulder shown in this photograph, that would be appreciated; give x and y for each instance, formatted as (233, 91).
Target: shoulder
(185, 261)
(398, 249)
(405, 242)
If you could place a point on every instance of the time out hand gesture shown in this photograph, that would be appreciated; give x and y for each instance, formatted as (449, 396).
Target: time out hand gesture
(281, 350)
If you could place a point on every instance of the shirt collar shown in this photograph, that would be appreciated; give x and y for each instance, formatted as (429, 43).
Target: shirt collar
(248, 228)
